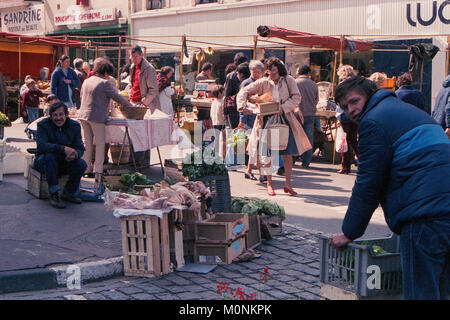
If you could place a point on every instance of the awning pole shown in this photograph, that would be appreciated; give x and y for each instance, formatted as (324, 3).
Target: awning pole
(341, 57)
(333, 84)
(183, 40)
(66, 46)
(96, 52)
(447, 61)
(20, 75)
(255, 42)
(118, 60)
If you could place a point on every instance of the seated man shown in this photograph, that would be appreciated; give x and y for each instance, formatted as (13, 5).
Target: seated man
(59, 150)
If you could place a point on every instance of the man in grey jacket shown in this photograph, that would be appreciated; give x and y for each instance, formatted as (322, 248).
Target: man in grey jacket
(144, 91)
(310, 96)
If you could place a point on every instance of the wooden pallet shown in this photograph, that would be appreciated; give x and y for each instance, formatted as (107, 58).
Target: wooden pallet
(37, 183)
(146, 245)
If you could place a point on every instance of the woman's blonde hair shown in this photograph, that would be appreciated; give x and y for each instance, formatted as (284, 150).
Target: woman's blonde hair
(345, 71)
(378, 78)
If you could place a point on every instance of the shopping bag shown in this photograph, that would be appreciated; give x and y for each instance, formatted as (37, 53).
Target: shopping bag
(277, 127)
(341, 140)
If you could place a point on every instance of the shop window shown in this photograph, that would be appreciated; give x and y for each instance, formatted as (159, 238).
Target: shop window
(205, 1)
(156, 4)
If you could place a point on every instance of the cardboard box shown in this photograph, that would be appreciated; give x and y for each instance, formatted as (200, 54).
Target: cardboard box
(218, 253)
(222, 228)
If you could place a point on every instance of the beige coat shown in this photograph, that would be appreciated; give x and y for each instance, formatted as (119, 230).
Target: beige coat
(148, 85)
(290, 99)
(96, 94)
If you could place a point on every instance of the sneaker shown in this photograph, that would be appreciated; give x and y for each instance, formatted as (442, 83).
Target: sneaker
(280, 171)
(56, 201)
(71, 198)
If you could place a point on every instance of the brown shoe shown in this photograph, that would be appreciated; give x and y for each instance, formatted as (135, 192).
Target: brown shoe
(56, 201)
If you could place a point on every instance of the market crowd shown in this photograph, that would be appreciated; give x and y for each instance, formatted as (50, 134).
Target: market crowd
(402, 153)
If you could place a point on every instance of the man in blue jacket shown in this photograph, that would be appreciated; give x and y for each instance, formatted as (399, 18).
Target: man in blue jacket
(441, 111)
(404, 165)
(59, 151)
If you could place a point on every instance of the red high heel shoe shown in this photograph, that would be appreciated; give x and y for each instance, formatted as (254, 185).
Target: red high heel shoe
(290, 191)
(270, 191)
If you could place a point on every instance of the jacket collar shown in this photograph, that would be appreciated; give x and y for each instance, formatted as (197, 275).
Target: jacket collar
(375, 99)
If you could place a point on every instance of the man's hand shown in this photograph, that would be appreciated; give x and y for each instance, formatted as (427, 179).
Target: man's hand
(67, 81)
(339, 240)
(71, 154)
(447, 131)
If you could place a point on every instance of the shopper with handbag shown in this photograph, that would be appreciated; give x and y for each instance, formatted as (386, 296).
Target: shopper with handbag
(284, 90)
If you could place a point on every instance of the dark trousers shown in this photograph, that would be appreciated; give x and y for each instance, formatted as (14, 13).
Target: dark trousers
(351, 129)
(425, 254)
(233, 120)
(54, 165)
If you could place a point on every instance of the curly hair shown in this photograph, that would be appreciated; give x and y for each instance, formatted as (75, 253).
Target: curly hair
(405, 79)
(345, 71)
(378, 78)
(274, 61)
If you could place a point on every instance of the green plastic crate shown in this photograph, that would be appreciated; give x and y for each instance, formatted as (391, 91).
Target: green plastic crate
(348, 268)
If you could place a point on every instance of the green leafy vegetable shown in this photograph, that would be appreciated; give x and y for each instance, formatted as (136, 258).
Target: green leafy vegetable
(257, 206)
(203, 163)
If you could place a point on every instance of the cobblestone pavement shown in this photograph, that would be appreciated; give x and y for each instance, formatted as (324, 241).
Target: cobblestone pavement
(291, 258)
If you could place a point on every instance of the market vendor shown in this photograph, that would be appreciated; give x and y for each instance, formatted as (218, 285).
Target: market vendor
(144, 91)
(207, 69)
(96, 94)
(59, 151)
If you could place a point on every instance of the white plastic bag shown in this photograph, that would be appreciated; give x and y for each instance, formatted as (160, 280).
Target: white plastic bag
(341, 140)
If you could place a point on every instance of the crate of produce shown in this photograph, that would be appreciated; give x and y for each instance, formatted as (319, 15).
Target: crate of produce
(219, 185)
(221, 228)
(146, 245)
(268, 108)
(253, 236)
(344, 274)
(218, 253)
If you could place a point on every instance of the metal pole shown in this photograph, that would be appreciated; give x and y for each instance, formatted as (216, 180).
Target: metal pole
(20, 75)
(255, 42)
(118, 60)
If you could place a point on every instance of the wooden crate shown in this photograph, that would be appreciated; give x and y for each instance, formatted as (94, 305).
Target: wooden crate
(218, 253)
(114, 181)
(37, 183)
(330, 292)
(268, 108)
(274, 224)
(146, 245)
(253, 236)
(221, 228)
(172, 169)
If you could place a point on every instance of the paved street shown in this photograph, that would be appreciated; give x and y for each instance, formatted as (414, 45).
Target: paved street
(292, 260)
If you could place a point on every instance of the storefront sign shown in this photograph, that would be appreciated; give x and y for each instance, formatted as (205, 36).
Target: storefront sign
(24, 20)
(96, 15)
(437, 13)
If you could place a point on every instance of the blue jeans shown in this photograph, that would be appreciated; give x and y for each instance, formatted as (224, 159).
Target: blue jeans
(425, 254)
(308, 127)
(54, 165)
(33, 114)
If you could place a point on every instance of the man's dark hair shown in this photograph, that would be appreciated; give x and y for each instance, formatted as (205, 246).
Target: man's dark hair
(217, 90)
(244, 69)
(207, 66)
(166, 70)
(57, 105)
(304, 70)
(137, 49)
(230, 68)
(103, 66)
(364, 86)
(239, 58)
(274, 61)
(78, 63)
(50, 98)
(404, 79)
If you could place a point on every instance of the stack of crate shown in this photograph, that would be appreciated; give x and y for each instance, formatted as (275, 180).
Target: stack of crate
(222, 238)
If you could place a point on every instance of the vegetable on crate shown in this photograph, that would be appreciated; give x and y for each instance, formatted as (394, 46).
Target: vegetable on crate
(4, 121)
(203, 163)
(130, 180)
(257, 206)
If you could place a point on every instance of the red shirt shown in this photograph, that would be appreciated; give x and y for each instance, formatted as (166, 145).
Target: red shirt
(135, 95)
(31, 98)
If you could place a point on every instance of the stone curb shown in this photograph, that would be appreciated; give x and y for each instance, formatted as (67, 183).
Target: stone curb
(65, 275)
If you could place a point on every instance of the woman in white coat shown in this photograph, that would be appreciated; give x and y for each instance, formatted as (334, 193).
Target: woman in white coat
(166, 91)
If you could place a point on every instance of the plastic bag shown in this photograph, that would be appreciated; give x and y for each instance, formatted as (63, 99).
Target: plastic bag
(341, 140)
